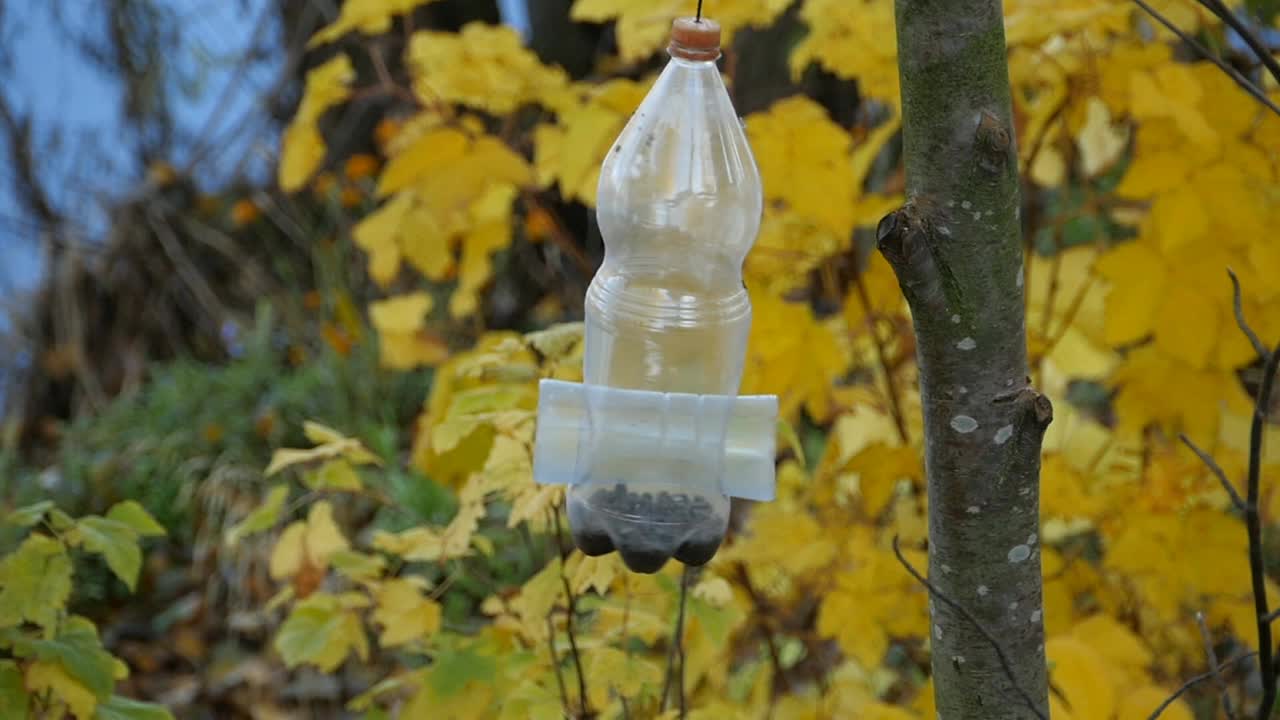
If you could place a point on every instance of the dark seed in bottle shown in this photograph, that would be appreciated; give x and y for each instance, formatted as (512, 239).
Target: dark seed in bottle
(698, 550)
(593, 543)
(684, 527)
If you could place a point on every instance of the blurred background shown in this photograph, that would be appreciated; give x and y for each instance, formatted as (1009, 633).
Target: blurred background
(222, 220)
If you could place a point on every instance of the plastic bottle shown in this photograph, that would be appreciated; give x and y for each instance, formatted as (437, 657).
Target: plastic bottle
(655, 441)
(678, 204)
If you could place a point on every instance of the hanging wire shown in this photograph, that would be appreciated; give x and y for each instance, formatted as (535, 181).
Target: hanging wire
(699, 16)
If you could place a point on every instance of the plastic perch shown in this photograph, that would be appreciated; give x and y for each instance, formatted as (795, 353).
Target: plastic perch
(655, 440)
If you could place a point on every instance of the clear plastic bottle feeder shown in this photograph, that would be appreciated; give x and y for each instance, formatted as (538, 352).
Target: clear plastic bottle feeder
(655, 441)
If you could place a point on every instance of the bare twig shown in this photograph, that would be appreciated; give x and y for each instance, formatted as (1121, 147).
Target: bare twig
(895, 405)
(555, 664)
(1213, 465)
(571, 612)
(1204, 52)
(1259, 48)
(1254, 523)
(1238, 305)
(1192, 683)
(1213, 667)
(675, 656)
(762, 612)
(968, 616)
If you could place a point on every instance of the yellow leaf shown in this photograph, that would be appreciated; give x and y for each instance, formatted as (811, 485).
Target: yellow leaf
(1117, 644)
(1186, 326)
(333, 445)
(854, 39)
(1048, 169)
(615, 671)
(880, 468)
(1099, 141)
(1131, 305)
(434, 152)
(483, 66)
(1081, 675)
(1179, 217)
(404, 613)
(643, 26)
(323, 535)
(1066, 493)
(804, 161)
(1153, 171)
(303, 149)
(377, 234)
(714, 591)
(290, 549)
(792, 355)
(49, 677)
(570, 153)
(400, 314)
(873, 601)
(371, 17)
(597, 573)
(310, 542)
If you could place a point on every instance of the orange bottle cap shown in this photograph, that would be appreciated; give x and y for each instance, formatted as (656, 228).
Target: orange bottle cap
(695, 39)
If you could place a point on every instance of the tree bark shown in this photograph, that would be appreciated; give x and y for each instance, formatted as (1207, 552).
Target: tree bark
(955, 247)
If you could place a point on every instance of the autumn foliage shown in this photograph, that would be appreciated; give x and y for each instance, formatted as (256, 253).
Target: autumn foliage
(1147, 176)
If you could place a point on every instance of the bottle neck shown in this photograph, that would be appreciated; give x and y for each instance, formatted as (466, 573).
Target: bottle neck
(693, 56)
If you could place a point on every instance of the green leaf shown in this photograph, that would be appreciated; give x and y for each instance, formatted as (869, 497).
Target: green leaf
(334, 475)
(131, 513)
(321, 633)
(452, 669)
(61, 521)
(263, 518)
(116, 542)
(122, 708)
(35, 582)
(80, 653)
(14, 701)
(29, 515)
(356, 565)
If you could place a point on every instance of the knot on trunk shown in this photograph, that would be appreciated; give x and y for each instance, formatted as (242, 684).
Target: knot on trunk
(993, 142)
(907, 238)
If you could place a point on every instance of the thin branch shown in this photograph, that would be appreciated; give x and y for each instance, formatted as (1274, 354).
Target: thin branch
(882, 355)
(555, 664)
(1213, 667)
(762, 613)
(1192, 683)
(972, 620)
(572, 611)
(1256, 568)
(1213, 465)
(675, 656)
(1259, 48)
(1231, 72)
(1238, 304)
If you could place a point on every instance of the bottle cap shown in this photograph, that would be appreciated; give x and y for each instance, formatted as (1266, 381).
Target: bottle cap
(693, 39)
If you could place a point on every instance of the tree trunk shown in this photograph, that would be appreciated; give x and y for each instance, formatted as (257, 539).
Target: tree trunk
(955, 247)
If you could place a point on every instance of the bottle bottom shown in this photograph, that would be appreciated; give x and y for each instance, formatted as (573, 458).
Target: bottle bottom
(646, 528)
